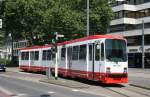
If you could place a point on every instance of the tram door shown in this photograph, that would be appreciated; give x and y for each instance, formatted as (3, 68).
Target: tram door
(31, 59)
(69, 56)
(92, 59)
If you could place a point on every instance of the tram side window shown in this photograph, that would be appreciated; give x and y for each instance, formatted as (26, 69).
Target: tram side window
(63, 53)
(36, 57)
(25, 56)
(102, 52)
(49, 55)
(82, 54)
(97, 52)
(75, 53)
(46, 55)
(90, 52)
(22, 55)
(53, 56)
(32, 55)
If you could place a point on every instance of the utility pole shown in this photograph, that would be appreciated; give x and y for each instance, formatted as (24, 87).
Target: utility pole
(143, 53)
(88, 11)
(55, 51)
(56, 59)
(87, 34)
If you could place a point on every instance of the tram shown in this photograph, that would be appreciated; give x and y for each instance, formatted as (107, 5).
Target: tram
(98, 57)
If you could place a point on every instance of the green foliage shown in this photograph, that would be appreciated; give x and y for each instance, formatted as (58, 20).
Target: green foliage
(36, 19)
(5, 62)
(1, 38)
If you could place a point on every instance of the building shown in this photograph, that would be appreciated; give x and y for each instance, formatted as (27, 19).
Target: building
(128, 17)
(6, 50)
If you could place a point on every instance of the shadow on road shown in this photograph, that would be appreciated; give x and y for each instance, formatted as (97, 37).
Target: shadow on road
(80, 80)
(45, 95)
(93, 83)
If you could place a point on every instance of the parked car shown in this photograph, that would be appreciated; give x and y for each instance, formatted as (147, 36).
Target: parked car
(2, 68)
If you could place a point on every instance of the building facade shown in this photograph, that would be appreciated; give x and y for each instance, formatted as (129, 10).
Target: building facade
(127, 21)
(6, 49)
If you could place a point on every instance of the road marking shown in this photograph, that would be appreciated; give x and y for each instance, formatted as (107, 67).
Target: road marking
(20, 95)
(51, 92)
(5, 91)
(24, 73)
(75, 90)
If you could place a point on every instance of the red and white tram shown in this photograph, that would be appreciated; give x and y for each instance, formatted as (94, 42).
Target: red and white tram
(98, 57)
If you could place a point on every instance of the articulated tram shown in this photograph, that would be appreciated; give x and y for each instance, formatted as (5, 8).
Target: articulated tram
(98, 57)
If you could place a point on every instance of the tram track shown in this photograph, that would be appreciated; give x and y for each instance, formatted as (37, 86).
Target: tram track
(129, 91)
(142, 91)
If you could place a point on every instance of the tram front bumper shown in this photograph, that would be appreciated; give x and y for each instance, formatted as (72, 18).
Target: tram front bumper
(114, 78)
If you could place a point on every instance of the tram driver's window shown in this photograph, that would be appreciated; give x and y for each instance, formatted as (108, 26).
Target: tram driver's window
(82, 53)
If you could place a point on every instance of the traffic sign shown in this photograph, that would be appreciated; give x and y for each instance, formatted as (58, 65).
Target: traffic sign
(59, 35)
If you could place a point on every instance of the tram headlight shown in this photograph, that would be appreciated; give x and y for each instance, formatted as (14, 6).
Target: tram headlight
(108, 70)
(125, 70)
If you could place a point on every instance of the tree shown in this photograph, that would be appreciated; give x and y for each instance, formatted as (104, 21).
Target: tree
(36, 20)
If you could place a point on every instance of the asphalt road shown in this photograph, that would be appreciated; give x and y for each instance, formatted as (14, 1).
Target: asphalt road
(22, 88)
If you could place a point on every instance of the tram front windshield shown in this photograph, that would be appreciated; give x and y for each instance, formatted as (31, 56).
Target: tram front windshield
(116, 50)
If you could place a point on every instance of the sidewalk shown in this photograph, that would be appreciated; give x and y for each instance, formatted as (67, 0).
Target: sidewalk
(139, 77)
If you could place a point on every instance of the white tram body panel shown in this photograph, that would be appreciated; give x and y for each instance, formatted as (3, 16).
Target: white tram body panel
(99, 57)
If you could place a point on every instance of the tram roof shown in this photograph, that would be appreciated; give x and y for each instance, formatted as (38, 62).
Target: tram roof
(76, 40)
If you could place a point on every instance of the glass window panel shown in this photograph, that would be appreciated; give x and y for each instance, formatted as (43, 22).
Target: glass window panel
(36, 57)
(63, 53)
(90, 52)
(49, 53)
(75, 53)
(82, 54)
